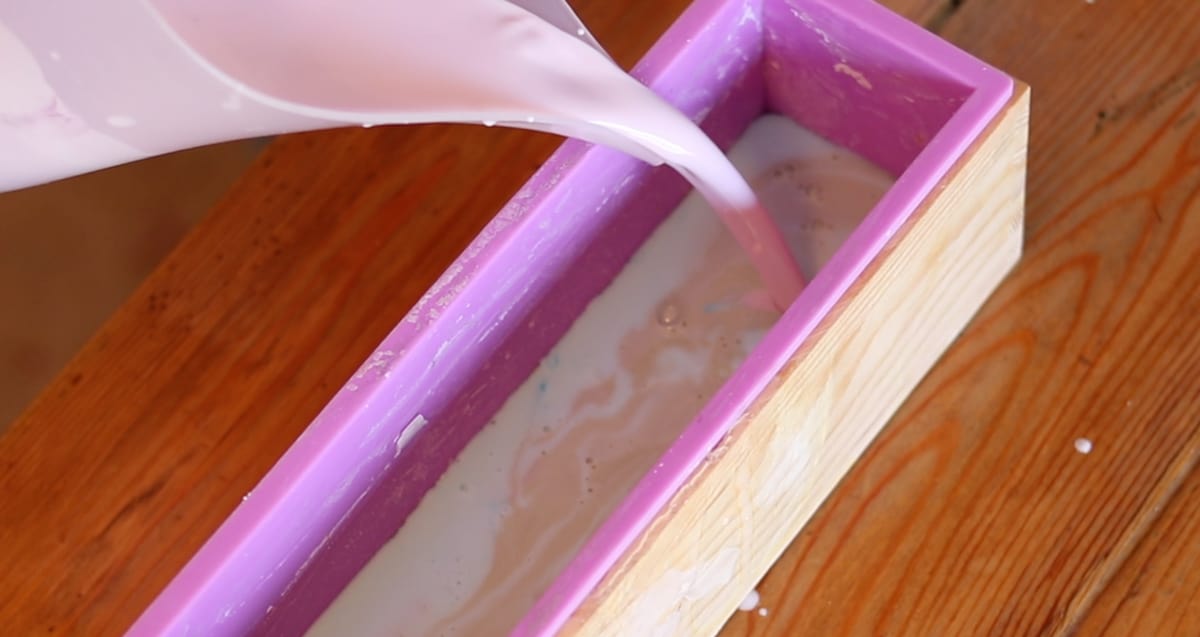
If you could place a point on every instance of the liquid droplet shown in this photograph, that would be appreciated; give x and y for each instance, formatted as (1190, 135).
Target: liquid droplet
(489, 122)
(669, 314)
(581, 32)
(751, 601)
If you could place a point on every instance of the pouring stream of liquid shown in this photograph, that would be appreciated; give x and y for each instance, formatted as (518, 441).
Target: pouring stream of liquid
(303, 64)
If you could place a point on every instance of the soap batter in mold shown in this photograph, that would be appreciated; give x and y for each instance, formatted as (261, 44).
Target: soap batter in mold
(604, 404)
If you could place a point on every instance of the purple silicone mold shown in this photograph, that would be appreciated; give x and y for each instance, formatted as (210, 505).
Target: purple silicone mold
(849, 70)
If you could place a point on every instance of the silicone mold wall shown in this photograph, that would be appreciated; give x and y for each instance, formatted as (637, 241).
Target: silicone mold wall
(847, 69)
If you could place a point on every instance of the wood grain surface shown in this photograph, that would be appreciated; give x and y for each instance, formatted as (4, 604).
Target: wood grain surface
(972, 514)
(1157, 590)
(72, 251)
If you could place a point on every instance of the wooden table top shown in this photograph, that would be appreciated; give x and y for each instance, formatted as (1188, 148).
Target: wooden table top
(973, 513)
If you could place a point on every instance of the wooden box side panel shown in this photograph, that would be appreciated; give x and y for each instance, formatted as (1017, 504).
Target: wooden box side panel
(722, 532)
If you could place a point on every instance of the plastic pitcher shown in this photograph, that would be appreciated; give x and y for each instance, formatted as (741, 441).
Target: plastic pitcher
(85, 85)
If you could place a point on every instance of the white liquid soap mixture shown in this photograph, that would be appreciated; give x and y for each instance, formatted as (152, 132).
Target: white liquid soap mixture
(604, 404)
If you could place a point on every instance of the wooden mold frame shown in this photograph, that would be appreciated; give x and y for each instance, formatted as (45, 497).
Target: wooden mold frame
(742, 508)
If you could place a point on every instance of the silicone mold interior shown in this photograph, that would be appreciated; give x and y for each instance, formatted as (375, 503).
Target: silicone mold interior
(849, 70)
